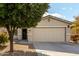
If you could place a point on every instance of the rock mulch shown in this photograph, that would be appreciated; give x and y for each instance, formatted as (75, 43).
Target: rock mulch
(2, 47)
(21, 50)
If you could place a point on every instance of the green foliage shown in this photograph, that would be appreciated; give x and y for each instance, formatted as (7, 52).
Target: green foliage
(75, 26)
(22, 14)
(75, 30)
(3, 39)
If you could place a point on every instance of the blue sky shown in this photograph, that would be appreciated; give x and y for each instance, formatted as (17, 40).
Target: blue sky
(66, 10)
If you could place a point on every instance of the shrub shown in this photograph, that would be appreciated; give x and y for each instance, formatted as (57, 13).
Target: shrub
(75, 38)
(3, 39)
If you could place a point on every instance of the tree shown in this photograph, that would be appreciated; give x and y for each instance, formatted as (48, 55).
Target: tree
(13, 16)
(75, 25)
(75, 29)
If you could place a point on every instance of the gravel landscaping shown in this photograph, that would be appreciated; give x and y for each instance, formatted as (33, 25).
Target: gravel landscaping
(21, 50)
(2, 47)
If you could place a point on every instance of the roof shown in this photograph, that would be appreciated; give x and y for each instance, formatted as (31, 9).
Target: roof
(59, 19)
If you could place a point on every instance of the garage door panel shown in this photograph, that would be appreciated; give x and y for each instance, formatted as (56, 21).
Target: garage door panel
(48, 34)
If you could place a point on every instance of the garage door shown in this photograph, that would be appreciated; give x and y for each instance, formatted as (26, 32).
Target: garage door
(49, 34)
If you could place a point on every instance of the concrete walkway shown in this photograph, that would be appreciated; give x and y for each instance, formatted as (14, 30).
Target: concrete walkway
(56, 49)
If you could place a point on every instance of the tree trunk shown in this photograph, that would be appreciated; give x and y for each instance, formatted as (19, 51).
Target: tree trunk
(11, 42)
(11, 33)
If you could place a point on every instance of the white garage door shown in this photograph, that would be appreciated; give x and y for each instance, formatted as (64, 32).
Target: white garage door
(49, 34)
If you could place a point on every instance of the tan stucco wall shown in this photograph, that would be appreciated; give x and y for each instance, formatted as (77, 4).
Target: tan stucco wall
(19, 34)
(51, 23)
(68, 34)
(30, 35)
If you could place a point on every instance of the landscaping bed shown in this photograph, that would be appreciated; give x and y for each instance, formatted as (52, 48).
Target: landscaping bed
(22, 50)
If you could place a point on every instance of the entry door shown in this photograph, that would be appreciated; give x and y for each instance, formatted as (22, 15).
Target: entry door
(24, 34)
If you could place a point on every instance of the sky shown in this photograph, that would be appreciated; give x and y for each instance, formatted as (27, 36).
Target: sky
(64, 10)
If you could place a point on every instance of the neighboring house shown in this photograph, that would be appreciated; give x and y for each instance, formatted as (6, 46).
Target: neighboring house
(49, 29)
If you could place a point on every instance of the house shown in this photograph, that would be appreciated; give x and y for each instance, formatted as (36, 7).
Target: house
(49, 29)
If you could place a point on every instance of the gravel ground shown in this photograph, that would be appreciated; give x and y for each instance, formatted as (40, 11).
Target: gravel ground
(21, 50)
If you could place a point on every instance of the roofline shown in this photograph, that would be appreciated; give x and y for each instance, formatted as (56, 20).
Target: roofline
(59, 19)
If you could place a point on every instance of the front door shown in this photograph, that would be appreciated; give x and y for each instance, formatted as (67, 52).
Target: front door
(24, 34)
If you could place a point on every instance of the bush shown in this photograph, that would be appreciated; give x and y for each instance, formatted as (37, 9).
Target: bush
(75, 38)
(3, 39)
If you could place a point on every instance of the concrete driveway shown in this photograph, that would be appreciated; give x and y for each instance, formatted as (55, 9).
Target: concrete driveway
(56, 49)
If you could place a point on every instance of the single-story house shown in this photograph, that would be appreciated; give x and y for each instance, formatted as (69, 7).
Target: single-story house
(49, 29)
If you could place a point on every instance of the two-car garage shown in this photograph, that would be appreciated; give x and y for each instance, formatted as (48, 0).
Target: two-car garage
(49, 34)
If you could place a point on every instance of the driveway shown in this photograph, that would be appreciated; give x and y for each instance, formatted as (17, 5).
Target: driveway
(56, 49)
